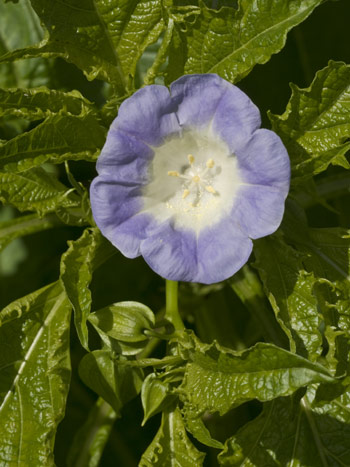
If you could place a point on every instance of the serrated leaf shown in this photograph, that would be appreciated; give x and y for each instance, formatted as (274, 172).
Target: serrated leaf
(77, 265)
(34, 375)
(262, 372)
(105, 39)
(125, 321)
(56, 139)
(35, 190)
(42, 102)
(315, 126)
(116, 384)
(90, 440)
(24, 225)
(293, 432)
(231, 42)
(15, 18)
(171, 446)
(290, 291)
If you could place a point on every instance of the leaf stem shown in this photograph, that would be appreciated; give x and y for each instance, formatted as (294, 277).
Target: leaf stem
(171, 309)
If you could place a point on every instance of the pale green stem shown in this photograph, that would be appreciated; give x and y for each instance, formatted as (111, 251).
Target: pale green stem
(171, 309)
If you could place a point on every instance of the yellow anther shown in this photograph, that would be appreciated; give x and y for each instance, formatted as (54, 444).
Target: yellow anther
(210, 163)
(185, 194)
(210, 189)
(190, 159)
(173, 173)
(196, 178)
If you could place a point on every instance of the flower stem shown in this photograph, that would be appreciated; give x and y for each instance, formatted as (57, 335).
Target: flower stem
(171, 309)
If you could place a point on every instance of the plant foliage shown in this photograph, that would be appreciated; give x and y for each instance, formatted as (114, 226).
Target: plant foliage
(261, 376)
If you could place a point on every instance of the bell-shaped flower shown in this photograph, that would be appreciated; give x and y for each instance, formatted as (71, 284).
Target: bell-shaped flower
(187, 179)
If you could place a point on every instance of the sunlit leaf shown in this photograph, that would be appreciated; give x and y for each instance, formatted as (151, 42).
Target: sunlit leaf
(315, 126)
(232, 41)
(56, 139)
(77, 265)
(262, 372)
(35, 374)
(290, 290)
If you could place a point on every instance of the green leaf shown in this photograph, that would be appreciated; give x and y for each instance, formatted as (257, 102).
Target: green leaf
(42, 102)
(56, 139)
(315, 126)
(116, 384)
(262, 372)
(125, 321)
(35, 190)
(34, 375)
(291, 432)
(290, 291)
(25, 225)
(171, 446)
(231, 42)
(155, 396)
(14, 18)
(105, 39)
(90, 440)
(77, 265)
(197, 428)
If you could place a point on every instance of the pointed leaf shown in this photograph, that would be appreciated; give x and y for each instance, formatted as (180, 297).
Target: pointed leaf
(34, 375)
(42, 102)
(231, 42)
(155, 396)
(290, 291)
(171, 446)
(262, 372)
(315, 127)
(116, 384)
(35, 190)
(56, 139)
(77, 265)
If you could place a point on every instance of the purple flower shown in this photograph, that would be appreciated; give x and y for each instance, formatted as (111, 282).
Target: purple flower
(187, 179)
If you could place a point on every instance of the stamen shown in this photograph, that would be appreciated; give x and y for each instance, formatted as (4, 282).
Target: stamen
(185, 193)
(190, 158)
(196, 178)
(210, 189)
(173, 173)
(210, 163)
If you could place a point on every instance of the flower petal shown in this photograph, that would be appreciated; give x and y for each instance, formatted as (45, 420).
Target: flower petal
(115, 207)
(259, 209)
(208, 99)
(222, 250)
(264, 161)
(148, 115)
(172, 253)
(214, 256)
(124, 156)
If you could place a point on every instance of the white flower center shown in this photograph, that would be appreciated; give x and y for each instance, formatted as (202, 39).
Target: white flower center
(194, 179)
